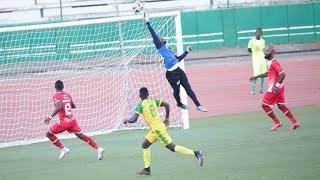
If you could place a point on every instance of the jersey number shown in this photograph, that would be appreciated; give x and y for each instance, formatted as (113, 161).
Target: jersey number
(67, 108)
(152, 110)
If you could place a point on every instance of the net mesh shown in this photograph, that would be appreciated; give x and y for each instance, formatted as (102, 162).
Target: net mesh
(103, 66)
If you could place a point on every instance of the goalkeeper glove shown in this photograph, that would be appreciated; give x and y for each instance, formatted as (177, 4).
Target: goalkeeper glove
(146, 17)
(189, 48)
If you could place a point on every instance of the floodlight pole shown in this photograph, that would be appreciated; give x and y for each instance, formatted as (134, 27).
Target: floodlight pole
(60, 2)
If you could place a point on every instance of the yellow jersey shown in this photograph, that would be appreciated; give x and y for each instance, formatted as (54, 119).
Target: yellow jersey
(148, 108)
(257, 47)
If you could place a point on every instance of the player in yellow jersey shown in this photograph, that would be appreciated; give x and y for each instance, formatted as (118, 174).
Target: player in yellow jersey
(148, 108)
(259, 64)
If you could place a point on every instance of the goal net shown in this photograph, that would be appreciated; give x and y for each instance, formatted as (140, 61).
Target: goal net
(102, 62)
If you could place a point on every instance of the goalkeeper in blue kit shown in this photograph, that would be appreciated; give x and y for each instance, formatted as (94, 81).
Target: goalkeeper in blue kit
(175, 75)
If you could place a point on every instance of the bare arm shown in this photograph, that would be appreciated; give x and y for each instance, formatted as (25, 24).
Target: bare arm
(57, 108)
(73, 106)
(132, 119)
(167, 109)
(259, 76)
(250, 46)
(280, 80)
(281, 77)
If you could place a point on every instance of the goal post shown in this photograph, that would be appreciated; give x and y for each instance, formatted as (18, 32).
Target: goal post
(183, 94)
(103, 63)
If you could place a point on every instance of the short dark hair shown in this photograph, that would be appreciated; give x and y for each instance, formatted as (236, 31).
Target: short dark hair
(271, 46)
(59, 85)
(143, 92)
(260, 29)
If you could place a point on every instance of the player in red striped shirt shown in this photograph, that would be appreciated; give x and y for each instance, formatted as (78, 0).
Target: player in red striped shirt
(63, 105)
(275, 91)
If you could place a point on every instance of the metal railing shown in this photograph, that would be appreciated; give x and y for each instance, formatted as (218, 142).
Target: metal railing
(105, 8)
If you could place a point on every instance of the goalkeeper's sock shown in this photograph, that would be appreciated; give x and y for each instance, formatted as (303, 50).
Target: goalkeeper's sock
(146, 158)
(184, 150)
(55, 141)
(253, 86)
(90, 141)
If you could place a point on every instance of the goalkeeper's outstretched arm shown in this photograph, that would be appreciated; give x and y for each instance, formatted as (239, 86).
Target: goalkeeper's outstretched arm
(155, 37)
(182, 56)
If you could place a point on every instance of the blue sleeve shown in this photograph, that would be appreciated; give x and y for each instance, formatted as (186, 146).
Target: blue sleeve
(182, 56)
(155, 38)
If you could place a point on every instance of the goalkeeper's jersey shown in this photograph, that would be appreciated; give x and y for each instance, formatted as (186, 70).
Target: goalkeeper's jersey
(148, 108)
(169, 59)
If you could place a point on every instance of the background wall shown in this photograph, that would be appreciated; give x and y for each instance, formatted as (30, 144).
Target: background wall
(203, 29)
(28, 11)
(235, 26)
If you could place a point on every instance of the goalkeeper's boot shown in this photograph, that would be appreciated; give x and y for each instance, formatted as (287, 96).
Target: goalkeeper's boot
(202, 108)
(145, 171)
(64, 152)
(183, 106)
(199, 156)
(100, 152)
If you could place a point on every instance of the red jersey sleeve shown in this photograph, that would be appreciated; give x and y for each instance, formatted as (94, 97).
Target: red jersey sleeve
(55, 98)
(277, 67)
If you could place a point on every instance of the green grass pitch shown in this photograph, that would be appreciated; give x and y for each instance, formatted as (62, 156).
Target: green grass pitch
(235, 147)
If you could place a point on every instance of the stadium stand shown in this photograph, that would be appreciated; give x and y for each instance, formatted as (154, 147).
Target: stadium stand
(28, 11)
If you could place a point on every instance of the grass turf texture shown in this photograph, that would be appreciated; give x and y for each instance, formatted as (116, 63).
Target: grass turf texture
(235, 147)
